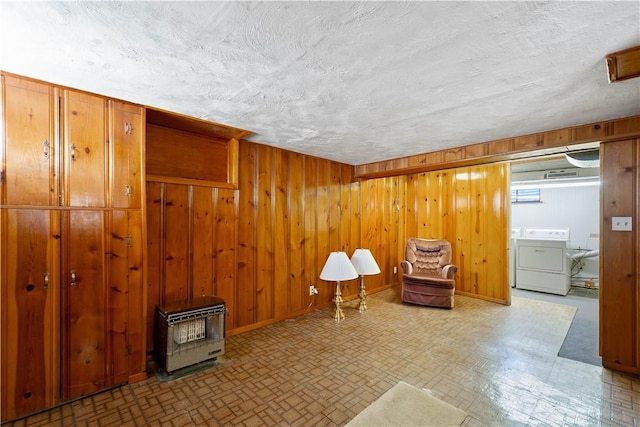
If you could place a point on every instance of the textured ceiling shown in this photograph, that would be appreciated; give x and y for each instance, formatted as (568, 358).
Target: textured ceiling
(355, 82)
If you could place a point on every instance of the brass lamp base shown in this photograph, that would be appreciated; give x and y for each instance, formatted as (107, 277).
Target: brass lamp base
(363, 296)
(338, 314)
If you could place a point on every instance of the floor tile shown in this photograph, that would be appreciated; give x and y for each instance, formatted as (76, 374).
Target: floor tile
(497, 363)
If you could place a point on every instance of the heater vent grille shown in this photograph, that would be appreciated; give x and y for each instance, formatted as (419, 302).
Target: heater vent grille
(560, 174)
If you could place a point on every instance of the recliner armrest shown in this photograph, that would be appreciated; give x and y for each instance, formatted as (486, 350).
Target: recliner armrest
(407, 267)
(448, 271)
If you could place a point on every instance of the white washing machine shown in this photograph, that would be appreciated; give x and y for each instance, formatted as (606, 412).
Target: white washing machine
(541, 261)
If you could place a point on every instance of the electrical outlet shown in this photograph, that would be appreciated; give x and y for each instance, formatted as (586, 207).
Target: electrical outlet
(313, 290)
(621, 223)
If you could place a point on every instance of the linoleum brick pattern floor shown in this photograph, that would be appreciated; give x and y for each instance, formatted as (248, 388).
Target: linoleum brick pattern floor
(497, 363)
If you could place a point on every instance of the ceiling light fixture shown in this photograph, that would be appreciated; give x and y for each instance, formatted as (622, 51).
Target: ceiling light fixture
(560, 183)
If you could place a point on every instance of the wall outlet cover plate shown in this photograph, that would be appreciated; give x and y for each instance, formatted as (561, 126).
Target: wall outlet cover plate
(621, 223)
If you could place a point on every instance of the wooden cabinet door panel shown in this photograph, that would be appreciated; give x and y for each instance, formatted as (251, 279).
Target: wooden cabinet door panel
(84, 150)
(30, 316)
(127, 133)
(29, 140)
(64, 149)
(136, 320)
(84, 310)
(125, 295)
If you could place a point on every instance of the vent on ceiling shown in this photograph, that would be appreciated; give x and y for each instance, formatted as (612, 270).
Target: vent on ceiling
(560, 174)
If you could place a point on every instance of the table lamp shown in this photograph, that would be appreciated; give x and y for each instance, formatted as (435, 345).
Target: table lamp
(365, 265)
(338, 268)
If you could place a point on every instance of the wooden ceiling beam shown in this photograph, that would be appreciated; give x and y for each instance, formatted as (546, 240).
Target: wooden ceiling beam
(624, 65)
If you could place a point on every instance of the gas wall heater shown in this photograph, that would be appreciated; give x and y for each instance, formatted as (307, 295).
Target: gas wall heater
(189, 332)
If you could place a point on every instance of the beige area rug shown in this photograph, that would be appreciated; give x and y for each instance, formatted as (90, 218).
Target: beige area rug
(406, 405)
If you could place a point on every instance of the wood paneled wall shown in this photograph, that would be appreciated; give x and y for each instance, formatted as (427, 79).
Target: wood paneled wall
(293, 211)
(382, 226)
(259, 247)
(191, 241)
(620, 256)
(552, 141)
(469, 207)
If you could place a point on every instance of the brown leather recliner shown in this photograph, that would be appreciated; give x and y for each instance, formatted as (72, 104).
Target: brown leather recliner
(428, 277)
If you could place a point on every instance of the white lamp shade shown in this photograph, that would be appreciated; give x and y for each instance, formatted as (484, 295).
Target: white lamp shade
(338, 268)
(364, 262)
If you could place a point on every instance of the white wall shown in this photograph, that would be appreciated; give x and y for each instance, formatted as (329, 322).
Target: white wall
(577, 208)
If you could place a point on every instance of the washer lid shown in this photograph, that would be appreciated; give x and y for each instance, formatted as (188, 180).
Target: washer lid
(546, 233)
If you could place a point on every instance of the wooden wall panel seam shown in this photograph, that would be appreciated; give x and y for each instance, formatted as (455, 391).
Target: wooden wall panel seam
(214, 261)
(190, 231)
(163, 243)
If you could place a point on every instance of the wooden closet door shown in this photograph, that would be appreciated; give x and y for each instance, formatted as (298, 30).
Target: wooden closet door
(84, 150)
(84, 344)
(30, 318)
(29, 143)
(127, 133)
(126, 295)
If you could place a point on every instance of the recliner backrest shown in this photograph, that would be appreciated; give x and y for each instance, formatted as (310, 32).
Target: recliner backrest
(428, 255)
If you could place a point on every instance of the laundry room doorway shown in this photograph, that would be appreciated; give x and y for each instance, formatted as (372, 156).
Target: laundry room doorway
(555, 223)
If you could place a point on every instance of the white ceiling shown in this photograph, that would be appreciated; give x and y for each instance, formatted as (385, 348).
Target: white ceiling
(354, 82)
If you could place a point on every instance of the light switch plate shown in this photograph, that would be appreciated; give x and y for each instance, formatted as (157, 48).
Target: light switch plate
(621, 223)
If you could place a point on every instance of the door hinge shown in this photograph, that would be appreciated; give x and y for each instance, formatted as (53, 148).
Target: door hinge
(128, 129)
(127, 349)
(128, 241)
(128, 191)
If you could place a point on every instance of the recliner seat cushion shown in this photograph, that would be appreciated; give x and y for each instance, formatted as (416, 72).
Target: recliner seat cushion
(419, 279)
(428, 295)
